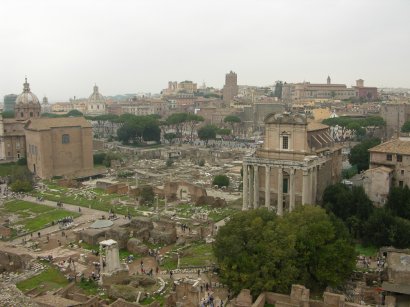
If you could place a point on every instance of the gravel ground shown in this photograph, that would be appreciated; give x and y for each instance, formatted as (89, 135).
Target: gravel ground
(10, 296)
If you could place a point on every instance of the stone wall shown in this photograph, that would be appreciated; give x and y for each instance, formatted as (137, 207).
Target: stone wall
(299, 297)
(10, 262)
(182, 190)
(260, 301)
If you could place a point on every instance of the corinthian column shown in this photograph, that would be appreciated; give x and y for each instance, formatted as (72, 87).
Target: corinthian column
(291, 190)
(305, 188)
(280, 192)
(245, 192)
(267, 186)
(256, 186)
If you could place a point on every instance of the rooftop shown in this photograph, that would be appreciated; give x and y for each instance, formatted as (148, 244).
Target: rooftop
(397, 146)
(316, 126)
(48, 123)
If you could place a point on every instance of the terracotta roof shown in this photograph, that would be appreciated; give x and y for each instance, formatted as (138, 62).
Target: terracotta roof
(380, 168)
(48, 123)
(316, 126)
(397, 146)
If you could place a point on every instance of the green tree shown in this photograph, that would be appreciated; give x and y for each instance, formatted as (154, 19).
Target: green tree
(233, 121)
(253, 253)
(372, 123)
(221, 181)
(398, 202)
(146, 195)
(193, 120)
(359, 154)
(151, 132)
(177, 121)
(207, 133)
(8, 114)
(21, 186)
(318, 240)
(99, 158)
(170, 136)
(74, 113)
(406, 127)
(262, 252)
(223, 131)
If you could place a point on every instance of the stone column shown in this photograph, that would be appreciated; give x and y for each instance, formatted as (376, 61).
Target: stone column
(305, 187)
(291, 189)
(279, 210)
(256, 186)
(314, 193)
(250, 187)
(267, 186)
(245, 192)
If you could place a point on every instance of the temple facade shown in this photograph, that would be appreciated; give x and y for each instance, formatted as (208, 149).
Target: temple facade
(296, 162)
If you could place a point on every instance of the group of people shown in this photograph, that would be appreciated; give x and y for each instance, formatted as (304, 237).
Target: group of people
(184, 227)
(210, 301)
(65, 221)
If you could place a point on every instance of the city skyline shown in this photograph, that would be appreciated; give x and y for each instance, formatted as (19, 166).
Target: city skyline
(65, 48)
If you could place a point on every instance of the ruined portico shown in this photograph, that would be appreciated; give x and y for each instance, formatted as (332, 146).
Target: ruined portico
(295, 164)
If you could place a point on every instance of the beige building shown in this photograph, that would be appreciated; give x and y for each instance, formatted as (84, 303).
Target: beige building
(376, 183)
(395, 115)
(316, 91)
(230, 89)
(95, 104)
(59, 146)
(297, 162)
(389, 166)
(12, 137)
(174, 87)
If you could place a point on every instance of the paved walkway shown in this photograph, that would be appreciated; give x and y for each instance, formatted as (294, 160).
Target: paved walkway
(87, 215)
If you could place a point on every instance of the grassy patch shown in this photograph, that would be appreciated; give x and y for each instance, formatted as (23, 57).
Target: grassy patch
(169, 264)
(102, 201)
(366, 250)
(197, 255)
(33, 216)
(214, 214)
(7, 169)
(50, 279)
(156, 298)
(45, 219)
(89, 287)
(15, 206)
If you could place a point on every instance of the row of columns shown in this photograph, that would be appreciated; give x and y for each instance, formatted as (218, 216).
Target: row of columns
(251, 187)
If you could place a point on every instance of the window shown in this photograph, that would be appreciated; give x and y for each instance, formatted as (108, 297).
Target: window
(31, 114)
(21, 114)
(65, 139)
(402, 172)
(389, 157)
(285, 185)
(400, 184)
(285, 142)
(399, 158)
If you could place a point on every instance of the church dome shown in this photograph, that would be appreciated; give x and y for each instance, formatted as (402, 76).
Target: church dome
(27, 97)
(96, 97)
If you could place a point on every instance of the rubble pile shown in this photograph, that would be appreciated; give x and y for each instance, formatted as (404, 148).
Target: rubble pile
(10, 296)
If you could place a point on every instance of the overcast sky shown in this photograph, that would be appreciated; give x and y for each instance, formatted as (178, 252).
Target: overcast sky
(129, 46)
